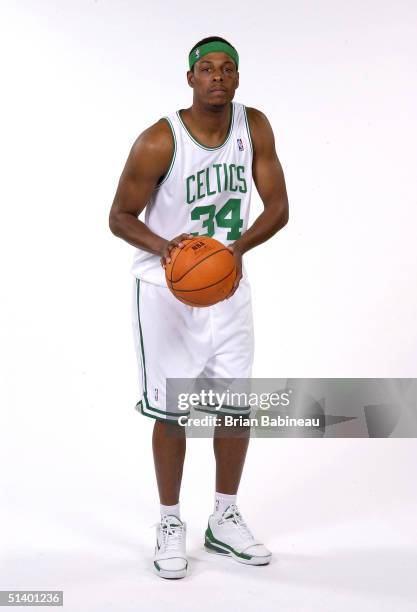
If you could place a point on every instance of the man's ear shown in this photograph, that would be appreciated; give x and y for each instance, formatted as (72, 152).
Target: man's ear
(190, 78)
(237, 80)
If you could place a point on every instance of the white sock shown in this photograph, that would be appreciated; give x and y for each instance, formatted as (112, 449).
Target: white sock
(175, 510)
(221, 501)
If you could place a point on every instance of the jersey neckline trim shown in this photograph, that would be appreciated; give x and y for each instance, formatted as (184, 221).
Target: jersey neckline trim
(200, 144)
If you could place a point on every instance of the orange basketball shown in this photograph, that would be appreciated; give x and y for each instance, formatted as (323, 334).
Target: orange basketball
(201, 273)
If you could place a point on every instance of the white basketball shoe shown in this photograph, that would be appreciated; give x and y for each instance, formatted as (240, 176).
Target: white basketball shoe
(228, 534)
(170, 560)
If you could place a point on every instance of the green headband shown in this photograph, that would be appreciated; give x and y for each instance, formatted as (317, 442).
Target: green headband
(197, 53)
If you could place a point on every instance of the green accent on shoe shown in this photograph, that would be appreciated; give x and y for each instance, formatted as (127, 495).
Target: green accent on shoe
(208, 544)
(157, 566)
(209, 536)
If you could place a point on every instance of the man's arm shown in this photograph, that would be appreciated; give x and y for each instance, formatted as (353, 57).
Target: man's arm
(149, 159)
(270, 183)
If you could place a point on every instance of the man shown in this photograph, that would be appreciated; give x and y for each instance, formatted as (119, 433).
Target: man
(193, 172)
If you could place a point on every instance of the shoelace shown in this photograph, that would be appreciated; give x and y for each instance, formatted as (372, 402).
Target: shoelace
(233, 515)
(172, 534)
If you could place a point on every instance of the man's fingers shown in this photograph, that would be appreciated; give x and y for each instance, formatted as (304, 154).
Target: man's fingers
(172, 245)
(178, 241)
(184, 237)
(175, 243)
(165, 259)
(235, 286)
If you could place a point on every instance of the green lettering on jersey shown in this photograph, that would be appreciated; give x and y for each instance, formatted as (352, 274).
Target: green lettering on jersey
(200, 185)
(227, 216)
(229, 177)
(218, 166)
(226, 180)
(187, 182)
(243, 188)
(209, 193)
(198, 212)
(231, 187)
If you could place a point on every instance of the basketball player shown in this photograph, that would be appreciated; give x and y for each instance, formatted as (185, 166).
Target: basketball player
(193, 170)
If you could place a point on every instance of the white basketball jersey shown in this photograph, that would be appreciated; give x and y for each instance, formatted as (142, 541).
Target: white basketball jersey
(206, 191)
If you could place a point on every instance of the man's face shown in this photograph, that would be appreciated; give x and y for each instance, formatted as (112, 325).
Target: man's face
(214, 79)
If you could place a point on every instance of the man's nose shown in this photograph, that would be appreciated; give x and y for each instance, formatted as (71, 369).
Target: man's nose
(218, 75)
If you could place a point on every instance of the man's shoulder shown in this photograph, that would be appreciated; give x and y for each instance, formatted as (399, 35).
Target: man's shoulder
(260, 129)
(256, 116)
(157, 138)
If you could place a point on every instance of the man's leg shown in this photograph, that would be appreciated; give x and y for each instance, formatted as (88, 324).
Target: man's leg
(168, 443)
(164, 353)
(230, 445)
(169, 452)
(227, 532)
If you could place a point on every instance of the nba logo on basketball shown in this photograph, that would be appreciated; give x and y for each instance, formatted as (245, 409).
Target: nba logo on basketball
(240, 144)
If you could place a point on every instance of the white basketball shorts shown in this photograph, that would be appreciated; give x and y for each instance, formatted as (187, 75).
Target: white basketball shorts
(173, 340)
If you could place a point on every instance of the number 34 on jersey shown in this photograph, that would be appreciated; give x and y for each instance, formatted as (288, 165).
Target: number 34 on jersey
(212, 184)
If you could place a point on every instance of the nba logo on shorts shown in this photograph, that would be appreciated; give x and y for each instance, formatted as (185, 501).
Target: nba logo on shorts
(240, 144)
(156, 394)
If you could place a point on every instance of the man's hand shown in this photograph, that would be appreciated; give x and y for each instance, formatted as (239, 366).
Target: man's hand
(234, 249)
(172, 244)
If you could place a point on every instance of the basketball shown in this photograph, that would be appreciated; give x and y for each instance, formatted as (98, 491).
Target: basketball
(201, 273)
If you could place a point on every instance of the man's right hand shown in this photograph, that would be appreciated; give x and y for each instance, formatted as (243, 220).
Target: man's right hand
(172, 244)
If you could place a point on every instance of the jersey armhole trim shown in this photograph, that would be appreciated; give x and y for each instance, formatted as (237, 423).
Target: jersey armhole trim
(248, 128)
(174, 154)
